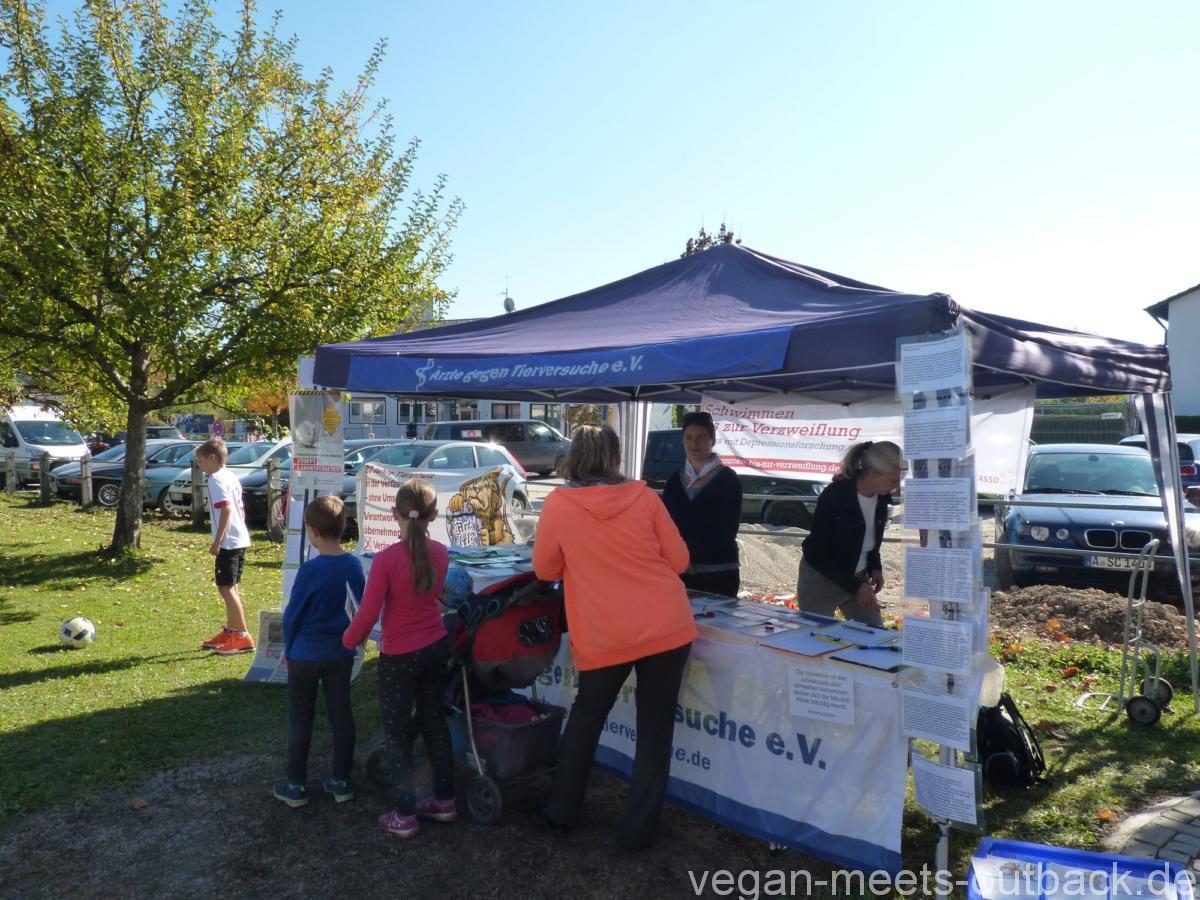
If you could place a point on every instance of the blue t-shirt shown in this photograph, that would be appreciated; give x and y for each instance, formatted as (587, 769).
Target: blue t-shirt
(325, 597)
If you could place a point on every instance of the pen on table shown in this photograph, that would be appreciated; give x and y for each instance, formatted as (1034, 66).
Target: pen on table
(858, 628)
(826, 638)
(877, 647)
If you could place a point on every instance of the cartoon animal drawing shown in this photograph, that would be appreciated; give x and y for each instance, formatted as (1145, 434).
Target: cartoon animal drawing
(476, 515)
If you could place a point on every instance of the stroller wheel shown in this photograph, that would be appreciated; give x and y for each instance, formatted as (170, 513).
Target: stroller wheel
(484, 802)
(376, 770)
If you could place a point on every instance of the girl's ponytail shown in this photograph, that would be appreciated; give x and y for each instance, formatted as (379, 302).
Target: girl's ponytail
(416, 503)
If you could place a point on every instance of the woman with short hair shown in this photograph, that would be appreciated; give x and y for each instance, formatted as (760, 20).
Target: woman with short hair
(841, 568)
(619, 555)
(705, 503)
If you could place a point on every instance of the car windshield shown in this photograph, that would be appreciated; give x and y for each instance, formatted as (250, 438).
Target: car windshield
(112, 453)
(48, 433)
(1091, 473)
(401, 456)
(248, 454)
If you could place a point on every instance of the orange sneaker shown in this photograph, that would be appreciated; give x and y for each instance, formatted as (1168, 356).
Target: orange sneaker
(236, 643)
(217, 639)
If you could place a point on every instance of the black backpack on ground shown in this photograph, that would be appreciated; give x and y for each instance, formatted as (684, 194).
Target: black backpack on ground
(1009, 751)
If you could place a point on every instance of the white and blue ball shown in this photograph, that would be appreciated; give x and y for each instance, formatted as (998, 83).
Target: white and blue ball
(77, 632)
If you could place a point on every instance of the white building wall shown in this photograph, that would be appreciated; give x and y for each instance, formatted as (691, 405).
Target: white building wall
(1183, 343)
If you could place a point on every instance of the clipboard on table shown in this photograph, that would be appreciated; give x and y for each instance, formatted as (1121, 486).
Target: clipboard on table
(804, 642)
(883, 659)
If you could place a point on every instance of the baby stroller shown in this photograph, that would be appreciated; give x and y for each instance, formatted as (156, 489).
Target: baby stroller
(501, 638)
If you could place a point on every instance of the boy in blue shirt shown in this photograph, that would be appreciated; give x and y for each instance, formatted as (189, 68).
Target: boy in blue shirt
(324, 599)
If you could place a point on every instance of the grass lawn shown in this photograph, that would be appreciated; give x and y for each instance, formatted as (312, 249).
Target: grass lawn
(145, 697)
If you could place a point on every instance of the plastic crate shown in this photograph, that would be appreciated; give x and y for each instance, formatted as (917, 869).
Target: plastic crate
(1041, 872)
(511, 751)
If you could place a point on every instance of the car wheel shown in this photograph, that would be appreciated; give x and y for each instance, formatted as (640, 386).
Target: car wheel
(1002, 561)
(168, 507)
(519, 504)
(108, 494)
(791, 515)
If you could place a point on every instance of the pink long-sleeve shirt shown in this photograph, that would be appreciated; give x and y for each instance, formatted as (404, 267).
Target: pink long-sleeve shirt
(410, 621)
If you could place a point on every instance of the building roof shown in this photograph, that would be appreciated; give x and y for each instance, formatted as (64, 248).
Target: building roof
(1162, 309)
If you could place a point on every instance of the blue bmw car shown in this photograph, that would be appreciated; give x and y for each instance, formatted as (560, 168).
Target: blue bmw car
(1105, 476)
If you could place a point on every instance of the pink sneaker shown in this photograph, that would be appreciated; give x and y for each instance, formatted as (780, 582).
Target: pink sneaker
(437, 810)
(401, 826)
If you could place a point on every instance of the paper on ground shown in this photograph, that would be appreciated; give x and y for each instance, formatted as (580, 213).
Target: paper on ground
(945, 792)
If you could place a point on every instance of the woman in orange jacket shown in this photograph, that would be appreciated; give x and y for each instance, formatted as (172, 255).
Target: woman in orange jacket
(619, 555)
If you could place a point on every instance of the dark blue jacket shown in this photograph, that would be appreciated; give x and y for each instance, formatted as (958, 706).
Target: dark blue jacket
(708, 524)
(835, 541)
(324, 599)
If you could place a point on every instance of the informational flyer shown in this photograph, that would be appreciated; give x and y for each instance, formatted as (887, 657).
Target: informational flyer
(930, 366)
(821, 693)
(937, 646)
(268, 664)
(939, 503)
(938, 433)
(317, 439)
(945, 792)
(937, 574)
(937, 716)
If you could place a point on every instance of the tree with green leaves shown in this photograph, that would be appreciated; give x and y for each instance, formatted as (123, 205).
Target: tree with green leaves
(180, 208)
(704, 241)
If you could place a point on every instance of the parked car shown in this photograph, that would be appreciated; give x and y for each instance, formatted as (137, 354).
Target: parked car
(537, 446)
(1188, 446)
(665, 456)
(108, 471)
(242, 462)
(467, 457)
(356, 451)
(1103, 475)
(30, 431)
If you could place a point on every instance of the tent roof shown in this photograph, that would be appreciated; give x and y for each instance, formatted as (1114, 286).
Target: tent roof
(731, 321)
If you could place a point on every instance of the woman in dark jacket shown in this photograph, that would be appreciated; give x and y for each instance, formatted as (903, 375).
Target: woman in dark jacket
(705, 502)
(841, 567)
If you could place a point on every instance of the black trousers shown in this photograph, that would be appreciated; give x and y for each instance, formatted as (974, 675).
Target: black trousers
(658, 680)
(333, 677)
(404, 680)
(725, 583)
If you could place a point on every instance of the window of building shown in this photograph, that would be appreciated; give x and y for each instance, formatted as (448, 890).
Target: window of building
(431, 412)
(547, 412)
(404, 412)
(464, 410)
(367, 412)
(506, 410)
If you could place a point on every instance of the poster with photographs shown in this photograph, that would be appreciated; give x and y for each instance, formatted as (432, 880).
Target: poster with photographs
(317, 440)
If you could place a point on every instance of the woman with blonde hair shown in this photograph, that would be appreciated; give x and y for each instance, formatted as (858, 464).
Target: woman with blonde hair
(841, 568)
(619, 555)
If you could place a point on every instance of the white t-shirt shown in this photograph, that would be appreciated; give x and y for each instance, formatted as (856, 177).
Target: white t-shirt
(225, 491)
(867, 505)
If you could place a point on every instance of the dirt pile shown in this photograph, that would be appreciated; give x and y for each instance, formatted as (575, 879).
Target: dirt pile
(1085, 615)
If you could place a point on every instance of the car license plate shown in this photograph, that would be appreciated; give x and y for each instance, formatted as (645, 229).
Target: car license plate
(1114, 562)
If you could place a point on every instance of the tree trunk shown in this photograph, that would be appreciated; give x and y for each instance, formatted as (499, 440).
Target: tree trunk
(128, 530)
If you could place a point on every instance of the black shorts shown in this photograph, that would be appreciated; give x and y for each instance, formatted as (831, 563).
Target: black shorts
(229, 566)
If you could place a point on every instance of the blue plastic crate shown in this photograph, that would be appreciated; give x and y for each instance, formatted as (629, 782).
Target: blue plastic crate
(1136, 876)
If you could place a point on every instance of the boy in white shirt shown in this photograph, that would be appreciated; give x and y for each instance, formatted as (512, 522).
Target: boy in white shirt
(230, 538)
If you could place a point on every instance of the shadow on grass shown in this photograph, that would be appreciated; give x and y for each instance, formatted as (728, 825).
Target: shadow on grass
(59, 569)
(64, 758)
(73, 666)
(14, 617)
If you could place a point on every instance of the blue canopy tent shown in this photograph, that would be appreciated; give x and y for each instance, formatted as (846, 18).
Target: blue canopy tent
(736, 322)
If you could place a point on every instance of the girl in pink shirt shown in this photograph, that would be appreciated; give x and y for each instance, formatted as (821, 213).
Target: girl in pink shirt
(403, 586)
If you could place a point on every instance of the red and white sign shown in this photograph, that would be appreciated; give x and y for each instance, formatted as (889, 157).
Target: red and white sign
(786, 437)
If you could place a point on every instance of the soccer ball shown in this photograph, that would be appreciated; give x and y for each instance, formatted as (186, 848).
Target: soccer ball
(77, 632)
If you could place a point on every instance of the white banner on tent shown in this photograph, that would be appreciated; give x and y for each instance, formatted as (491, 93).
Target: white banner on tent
(742, 759)
(788, 438)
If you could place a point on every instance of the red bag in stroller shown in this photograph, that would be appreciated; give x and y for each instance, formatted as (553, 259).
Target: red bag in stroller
(515, 631)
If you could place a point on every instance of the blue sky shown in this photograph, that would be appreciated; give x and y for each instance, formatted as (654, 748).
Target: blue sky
(1035, 159)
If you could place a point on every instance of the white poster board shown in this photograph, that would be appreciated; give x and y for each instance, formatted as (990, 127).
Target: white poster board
(317, 439)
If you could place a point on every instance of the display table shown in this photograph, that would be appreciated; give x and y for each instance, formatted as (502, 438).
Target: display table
(803, 752)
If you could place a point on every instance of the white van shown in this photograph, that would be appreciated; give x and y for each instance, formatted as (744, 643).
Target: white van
(31, 431)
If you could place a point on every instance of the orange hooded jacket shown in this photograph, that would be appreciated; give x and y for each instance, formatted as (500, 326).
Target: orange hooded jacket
(619, 555)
